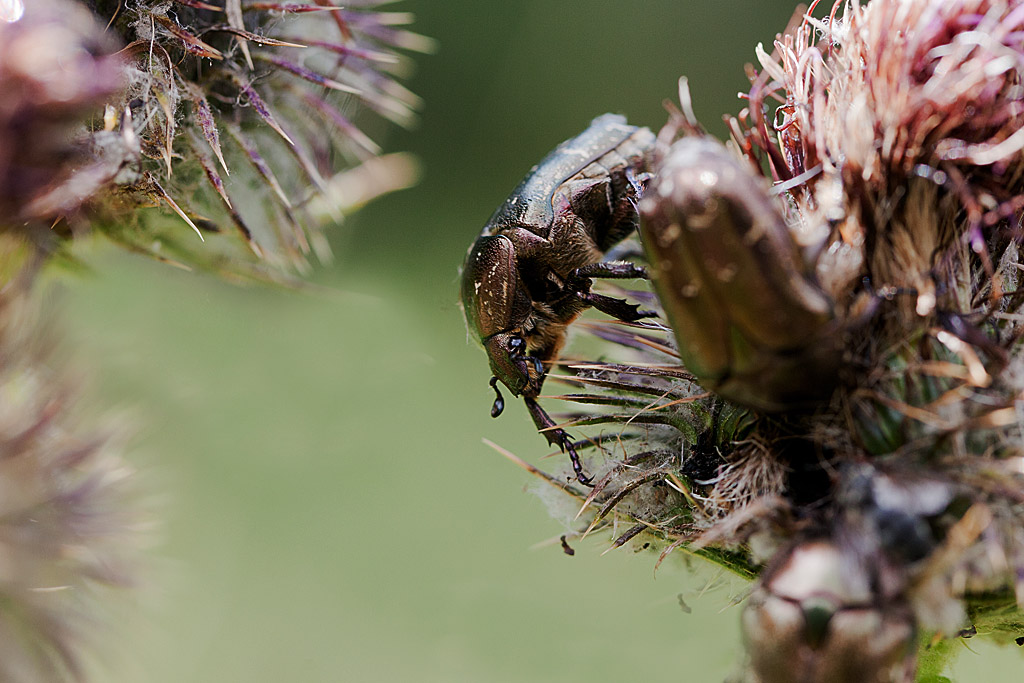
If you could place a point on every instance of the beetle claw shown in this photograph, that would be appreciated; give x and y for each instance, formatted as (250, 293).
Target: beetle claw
(557, 436)
(565, 441)
(617, 308)
(638, 183)
(561, 438)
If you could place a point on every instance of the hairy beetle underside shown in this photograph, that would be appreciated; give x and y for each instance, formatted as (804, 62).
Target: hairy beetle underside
(830, 401)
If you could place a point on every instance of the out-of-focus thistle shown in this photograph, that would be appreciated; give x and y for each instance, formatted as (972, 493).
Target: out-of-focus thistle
(243, 113)
(834, 406)
(69, 523)
(239, 117)
(54, 74)
(107, 109)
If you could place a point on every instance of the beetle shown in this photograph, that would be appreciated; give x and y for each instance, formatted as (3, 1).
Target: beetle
(815, 615)
(845, 599)
(749, 318)
(528, 275)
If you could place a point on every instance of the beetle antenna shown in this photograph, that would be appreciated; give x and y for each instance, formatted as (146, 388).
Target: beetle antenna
(499, 400)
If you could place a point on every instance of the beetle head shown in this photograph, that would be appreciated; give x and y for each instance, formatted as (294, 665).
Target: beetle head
(510, 364)
(496, 305)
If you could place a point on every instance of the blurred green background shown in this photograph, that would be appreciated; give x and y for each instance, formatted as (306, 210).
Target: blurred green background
(328, 510)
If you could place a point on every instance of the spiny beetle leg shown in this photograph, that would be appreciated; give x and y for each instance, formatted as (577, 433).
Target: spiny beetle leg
(580, 281)
(556, 437)
(611, 269)
(616, 308)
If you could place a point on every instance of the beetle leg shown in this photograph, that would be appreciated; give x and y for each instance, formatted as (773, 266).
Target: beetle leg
(616, 308)
(638, 182)
(526, 244)
(580, 283)
(588, 198)
(611, 269)
(556, 436)
(606, 206)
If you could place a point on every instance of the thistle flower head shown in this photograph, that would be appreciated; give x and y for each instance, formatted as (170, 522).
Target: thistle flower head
(836, 378)
(55, 72)
(897, 120)
(243, 118)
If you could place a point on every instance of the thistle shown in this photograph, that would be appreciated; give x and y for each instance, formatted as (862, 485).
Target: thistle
(70, 524)
(231, 102)
(56, 70)
(242, 119)
(159, 124)
(829, 405)
(68, 521)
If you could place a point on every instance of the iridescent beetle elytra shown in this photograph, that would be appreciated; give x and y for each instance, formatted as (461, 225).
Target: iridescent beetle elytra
(749, 319)
(527, 276)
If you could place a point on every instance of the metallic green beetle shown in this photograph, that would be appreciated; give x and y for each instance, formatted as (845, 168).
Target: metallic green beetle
(527, 276)
(749, 320)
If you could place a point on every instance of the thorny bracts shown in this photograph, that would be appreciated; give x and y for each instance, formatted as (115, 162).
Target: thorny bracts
(247, 118)
(833, 403)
